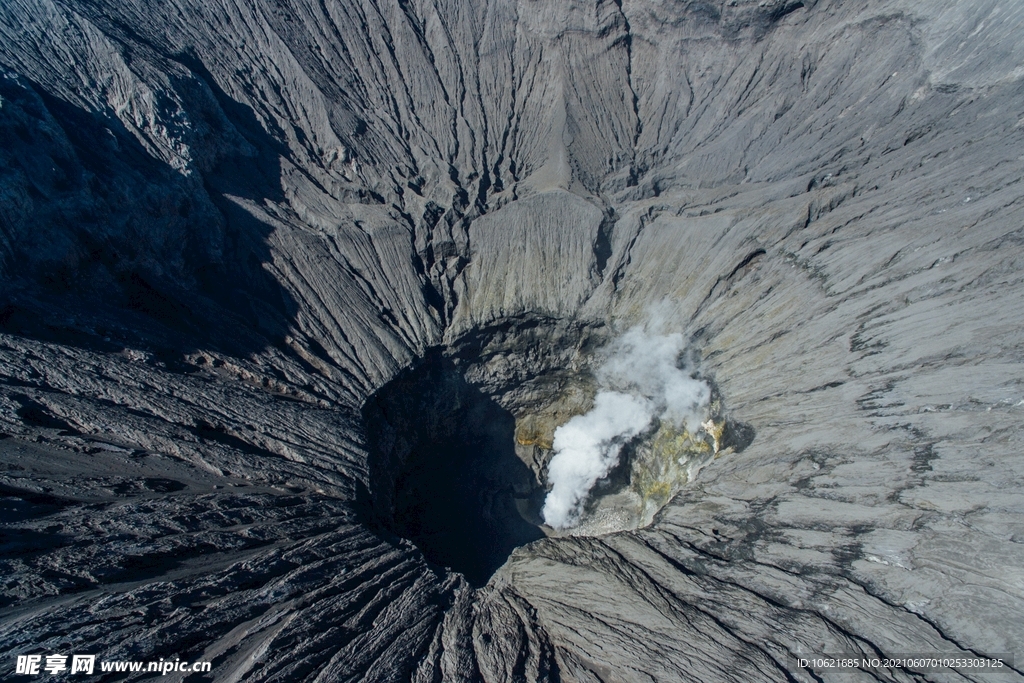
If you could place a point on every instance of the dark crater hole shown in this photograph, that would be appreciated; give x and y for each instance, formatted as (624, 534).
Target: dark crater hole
(444, 472)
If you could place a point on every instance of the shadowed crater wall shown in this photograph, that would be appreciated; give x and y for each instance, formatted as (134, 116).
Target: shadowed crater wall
(444, 472)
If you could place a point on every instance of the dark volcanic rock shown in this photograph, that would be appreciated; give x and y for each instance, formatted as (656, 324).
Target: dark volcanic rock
(225, 226)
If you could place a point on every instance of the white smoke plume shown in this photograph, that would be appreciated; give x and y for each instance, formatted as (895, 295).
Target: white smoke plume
(642, 377)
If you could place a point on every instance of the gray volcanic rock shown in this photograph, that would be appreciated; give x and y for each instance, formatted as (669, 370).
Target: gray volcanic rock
(228, 226)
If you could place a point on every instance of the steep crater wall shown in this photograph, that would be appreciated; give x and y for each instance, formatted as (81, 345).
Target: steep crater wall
(226, 227)
(462, 469)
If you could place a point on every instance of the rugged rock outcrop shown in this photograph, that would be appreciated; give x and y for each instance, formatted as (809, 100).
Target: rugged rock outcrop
(227, 226)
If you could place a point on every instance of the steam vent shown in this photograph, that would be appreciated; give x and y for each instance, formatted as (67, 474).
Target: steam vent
(512, 340)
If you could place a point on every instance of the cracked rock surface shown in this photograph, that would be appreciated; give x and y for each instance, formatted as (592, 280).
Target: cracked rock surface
(224, 226)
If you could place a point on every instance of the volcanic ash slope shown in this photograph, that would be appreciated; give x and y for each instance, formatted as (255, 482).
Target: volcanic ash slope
(226, 225)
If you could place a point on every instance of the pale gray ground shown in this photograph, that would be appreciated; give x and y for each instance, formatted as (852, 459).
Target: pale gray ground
(226, 224)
